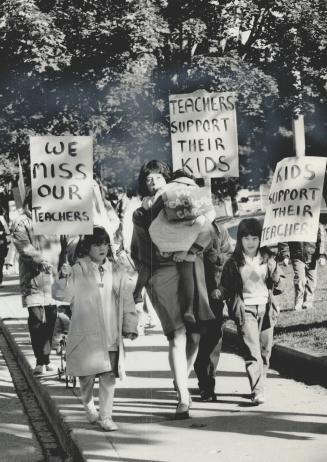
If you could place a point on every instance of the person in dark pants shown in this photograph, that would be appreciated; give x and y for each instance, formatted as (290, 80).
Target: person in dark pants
(304, 257)
(4, 231)
(41, 322)
(206, 363)
(38, 262)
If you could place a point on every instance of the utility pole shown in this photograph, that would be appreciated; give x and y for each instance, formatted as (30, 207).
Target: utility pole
(298, 135)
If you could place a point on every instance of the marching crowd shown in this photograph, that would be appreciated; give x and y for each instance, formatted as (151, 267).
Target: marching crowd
(178, 260)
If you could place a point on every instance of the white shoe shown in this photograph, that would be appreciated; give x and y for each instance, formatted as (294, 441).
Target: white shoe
(92, 414)
(39, 369)
(50, 367)
(298, 306)
(258, 399)
(108, 425)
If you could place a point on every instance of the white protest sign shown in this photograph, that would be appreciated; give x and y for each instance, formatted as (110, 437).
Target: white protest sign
(62, 175)
(292, 213)
(204, 134)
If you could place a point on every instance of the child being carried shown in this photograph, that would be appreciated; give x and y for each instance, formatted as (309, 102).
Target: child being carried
(183, 229)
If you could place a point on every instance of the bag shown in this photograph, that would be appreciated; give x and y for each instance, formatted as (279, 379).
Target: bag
(186, 203)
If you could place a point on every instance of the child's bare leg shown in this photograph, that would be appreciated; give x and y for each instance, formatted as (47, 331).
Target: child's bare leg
(185, 269)
(178, 257)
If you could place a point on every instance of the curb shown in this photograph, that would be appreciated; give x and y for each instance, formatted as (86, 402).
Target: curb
(291, 363)
(47, 404)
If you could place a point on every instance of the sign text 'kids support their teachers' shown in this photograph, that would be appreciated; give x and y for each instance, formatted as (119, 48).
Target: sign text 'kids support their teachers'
(293, 209)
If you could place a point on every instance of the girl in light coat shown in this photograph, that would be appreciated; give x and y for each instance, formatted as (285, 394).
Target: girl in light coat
(103, 312)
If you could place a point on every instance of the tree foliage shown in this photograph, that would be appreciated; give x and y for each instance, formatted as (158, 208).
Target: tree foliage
(106, 68)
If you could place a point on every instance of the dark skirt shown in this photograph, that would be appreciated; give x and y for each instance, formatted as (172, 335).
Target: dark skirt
(165, 293)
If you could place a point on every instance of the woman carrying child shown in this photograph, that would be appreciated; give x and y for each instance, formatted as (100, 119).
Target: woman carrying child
(103, 312)
(161, 277)
(182, 230)
(247, 285)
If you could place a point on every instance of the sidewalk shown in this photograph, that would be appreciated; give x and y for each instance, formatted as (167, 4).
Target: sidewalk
(291, 426)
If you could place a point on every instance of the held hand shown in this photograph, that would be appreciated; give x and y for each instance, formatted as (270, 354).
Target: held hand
(215, 294)
(286, 261)
(45, 267)
(139, 307)
(66, 269)
(322, 261)
(178, 257)
(272, 264)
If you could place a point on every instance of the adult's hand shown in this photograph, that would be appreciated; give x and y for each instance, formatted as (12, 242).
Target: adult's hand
(139, 307)
(215, 294)
(66, 270)
(322, 261)
(45, 267)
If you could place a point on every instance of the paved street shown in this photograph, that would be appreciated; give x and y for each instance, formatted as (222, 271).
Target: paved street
(17, 443)
(291, 426)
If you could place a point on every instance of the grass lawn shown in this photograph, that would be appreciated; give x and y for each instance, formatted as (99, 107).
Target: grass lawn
(304, 330)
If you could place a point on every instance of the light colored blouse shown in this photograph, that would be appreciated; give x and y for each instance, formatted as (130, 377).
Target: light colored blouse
(254, 275)
(103, 277)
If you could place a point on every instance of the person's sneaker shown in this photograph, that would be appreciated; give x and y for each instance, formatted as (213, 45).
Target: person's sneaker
(207, 396)
(258, 399)
(140, 331)
(50, 367)
(108, 425)
(39, 369)
(92, 414)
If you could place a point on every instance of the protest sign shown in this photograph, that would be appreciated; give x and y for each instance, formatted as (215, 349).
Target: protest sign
(204, 134)
(61, 173)
(293, 209)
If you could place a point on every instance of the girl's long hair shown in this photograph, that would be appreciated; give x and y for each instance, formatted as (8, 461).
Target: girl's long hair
(154, 166)
(246, 227)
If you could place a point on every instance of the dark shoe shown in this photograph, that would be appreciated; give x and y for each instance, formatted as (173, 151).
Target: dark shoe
(189, 317)
(208, 396)
(182, 411)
